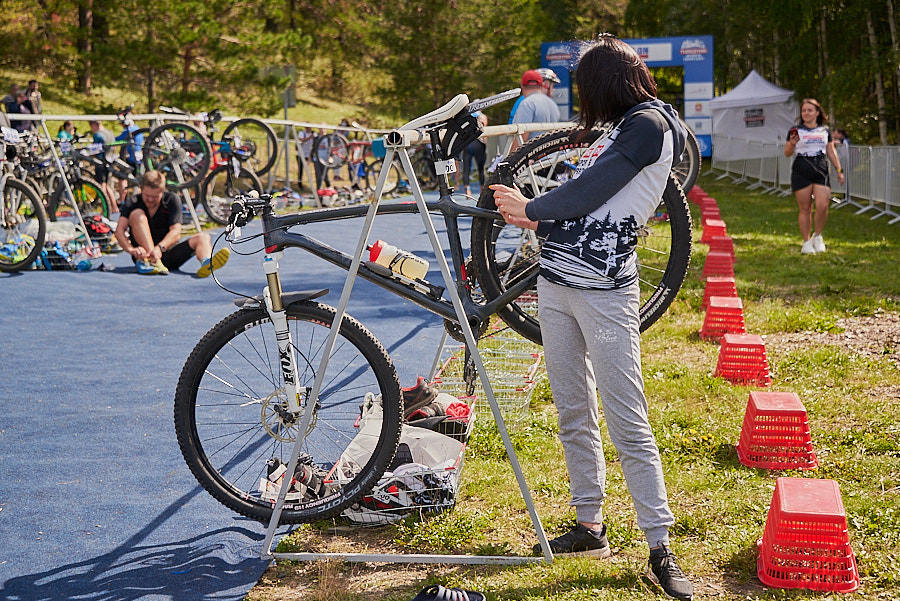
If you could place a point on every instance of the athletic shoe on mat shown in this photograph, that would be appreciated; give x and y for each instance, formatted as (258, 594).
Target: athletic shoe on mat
(145, 267)
(210, 265)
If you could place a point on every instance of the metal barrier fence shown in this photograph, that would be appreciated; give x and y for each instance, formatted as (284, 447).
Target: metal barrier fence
(872, 173)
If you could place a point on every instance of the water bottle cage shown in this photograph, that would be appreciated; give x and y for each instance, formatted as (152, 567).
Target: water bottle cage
(396, 264)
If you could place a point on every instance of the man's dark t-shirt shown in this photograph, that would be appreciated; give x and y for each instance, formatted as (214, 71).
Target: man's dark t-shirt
(167, 215)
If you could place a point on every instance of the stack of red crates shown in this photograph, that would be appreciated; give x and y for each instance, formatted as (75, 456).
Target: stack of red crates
(718, 286)
(775, 434)
(742, 360)
(724, 315)
(805, 543)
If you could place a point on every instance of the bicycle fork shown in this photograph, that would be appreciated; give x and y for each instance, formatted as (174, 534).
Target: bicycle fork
(278, 315)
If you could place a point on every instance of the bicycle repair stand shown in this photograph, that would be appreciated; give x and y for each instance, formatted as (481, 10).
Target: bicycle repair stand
(397, 144)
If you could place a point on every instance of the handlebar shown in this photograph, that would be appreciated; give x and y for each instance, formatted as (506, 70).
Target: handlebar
(247, 206)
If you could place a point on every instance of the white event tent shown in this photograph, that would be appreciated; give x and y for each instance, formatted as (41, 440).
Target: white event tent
(755, 109)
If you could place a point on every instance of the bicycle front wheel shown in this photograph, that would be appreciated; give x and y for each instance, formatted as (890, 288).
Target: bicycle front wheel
(254, 143)
(234, 429)
(393, 176)
(180, 151)
(88, 194)
(221, 186)
(331, 150)
(505, 255)
(24, 224)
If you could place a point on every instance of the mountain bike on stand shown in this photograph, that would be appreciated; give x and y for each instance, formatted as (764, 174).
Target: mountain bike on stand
(255, 383)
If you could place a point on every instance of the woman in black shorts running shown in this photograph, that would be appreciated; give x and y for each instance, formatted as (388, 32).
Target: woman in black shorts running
(812, 142)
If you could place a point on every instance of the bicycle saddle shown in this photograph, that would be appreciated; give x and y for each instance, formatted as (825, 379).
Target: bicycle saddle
(448, 111)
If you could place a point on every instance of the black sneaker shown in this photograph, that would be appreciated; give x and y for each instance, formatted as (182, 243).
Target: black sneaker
(663, 571)
(581, 541)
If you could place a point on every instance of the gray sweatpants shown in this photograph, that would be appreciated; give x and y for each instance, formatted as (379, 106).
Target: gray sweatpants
(592, 342)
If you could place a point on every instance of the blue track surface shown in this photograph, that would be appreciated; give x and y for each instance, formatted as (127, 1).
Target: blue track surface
(96, 501)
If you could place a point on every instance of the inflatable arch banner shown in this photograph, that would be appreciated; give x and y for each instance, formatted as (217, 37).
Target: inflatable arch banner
(693, 53)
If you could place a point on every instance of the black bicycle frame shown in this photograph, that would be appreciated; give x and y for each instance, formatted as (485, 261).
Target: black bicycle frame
(276, 238)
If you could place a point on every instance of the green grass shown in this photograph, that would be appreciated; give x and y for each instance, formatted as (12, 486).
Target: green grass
(720, 506)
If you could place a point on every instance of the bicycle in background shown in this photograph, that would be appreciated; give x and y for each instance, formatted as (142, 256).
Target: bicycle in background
(22, 216)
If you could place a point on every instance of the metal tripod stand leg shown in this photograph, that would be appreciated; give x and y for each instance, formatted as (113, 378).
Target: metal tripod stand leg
(485, 382)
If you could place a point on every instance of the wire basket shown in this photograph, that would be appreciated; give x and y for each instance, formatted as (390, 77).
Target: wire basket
(411, 488)
(513, 365)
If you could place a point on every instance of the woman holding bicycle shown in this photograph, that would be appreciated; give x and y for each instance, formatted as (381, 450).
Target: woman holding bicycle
(589, 297)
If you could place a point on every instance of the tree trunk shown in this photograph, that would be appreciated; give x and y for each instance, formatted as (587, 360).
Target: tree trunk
(879, 82)
(829, 101)
(86, 25)
(895, 53)
(151, 90)
(186, 69)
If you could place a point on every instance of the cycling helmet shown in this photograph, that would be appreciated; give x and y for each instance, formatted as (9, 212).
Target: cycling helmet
(548, 75)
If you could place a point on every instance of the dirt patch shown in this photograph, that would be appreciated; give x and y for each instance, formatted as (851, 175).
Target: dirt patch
(874, 336)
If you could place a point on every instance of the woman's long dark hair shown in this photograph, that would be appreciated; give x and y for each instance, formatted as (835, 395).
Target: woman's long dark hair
(611, 78)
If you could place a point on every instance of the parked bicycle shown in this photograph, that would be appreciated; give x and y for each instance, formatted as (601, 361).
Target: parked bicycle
(22, 215)
(246, 392)
(251, 140)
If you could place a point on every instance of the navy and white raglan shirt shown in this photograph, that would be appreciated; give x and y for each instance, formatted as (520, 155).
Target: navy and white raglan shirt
(594, 218)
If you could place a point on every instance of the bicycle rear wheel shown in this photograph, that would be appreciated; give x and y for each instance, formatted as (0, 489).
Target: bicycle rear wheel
(233, 427)
(687, 170)
(180, 152)
(88, 194)
(505, 255)
(218, 190)
(24, 224)
(254, 143)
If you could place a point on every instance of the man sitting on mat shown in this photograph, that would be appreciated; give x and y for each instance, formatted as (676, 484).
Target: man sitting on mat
(149, 229)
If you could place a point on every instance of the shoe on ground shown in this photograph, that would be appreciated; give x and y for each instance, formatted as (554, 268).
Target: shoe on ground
(663, 571)
(581, 541)
(209, 265)
(145, 267)
(808, 248)
(818, 243)
(417, 397)
(436, 592)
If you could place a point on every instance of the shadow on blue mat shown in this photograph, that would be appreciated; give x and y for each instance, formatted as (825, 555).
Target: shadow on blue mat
(221, 564)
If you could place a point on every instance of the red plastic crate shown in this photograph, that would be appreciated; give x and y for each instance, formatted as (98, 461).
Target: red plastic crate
(695, 194)
(711, 228)
(718, 263)
(805, 543)
(723, 244)
(708, 203)
(718, 286)
(724, 315)
(706, 214)
(775, 433)
(742, 360)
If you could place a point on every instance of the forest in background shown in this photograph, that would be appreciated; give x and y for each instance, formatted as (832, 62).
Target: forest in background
(405, 57)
